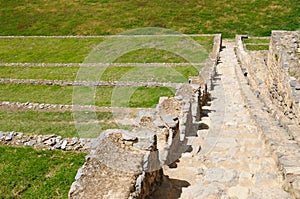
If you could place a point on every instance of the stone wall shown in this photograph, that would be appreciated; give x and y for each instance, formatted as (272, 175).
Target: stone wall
(122, 164)
(180, 124)
(209, 71)
(87, 83)
(268, 73)
(128, 164)
(282, 62)
(48, 142)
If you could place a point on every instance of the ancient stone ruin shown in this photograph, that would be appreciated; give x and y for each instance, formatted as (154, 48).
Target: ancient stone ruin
(232, 132)
(236, 135)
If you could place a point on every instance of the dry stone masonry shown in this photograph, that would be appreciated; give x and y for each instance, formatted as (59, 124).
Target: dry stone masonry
(269, 74)
(48, 142)
(134, 158)
(232, 132)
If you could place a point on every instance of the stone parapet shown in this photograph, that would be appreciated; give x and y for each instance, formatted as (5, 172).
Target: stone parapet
(128, 164)
(268, 73)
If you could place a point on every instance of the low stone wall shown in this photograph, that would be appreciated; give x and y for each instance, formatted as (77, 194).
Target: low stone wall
(268, 74)
(209, 71)
(128, 164)
(99, 64)
(64, 107)
(48, 142)
(285, 150)
(122, 164)
(178, 121)
(87, 83)
(282, 61)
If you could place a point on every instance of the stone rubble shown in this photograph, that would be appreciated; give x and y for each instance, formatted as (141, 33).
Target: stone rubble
(47, 142)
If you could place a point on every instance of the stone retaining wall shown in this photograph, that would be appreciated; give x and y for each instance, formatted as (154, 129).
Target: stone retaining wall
(285, 150)
(100, 64)
(87, 83)
(122, 164)
(268, 74)
(128, 164)
(209, 71)
(48, 142)
(65, 107)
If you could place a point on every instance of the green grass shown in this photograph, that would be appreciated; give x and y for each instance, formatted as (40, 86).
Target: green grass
(257, 47)
(81, 17)
(58, 123)
(153, 55)
(47, 73)
(150, 56)
(75, 50)
(257, 43)
(257, 40)
(46, 50)
(161, 74)
(207, 42)
(63, 95)
(30, 173)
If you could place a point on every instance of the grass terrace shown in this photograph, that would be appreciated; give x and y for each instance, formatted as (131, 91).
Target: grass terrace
(42, 174)
(117, 73)
(46, 50)
(58, 123)
(142, 97)
(49, 174)
(257, 43)
(74, 50)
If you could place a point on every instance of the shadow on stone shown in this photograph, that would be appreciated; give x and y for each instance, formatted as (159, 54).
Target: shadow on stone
(169, 189)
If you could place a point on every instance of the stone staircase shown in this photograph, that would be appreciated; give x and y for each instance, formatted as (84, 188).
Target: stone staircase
(242, 146)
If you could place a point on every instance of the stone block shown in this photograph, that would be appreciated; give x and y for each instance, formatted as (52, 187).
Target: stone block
(220, 175)
(238, 192)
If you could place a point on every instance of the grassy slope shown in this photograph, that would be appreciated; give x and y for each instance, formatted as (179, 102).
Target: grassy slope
(74, 50)
(46, 50)
(110, 74)
(70, 17)
(257, 43)
(43, 123)
(143, 97)
(42, 174)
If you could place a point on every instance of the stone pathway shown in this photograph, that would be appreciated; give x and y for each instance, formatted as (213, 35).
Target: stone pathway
(233, 161)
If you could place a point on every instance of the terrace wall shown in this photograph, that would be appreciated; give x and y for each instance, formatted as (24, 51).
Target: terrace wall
(135, 157)
(209, 71)
(268, 73)
(48, 142)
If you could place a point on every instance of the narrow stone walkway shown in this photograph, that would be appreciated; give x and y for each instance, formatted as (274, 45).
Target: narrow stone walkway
(233, 161)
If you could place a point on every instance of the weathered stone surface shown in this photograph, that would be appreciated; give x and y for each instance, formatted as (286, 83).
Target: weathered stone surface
(220, 175)
(45, 141)
(64, 144)
(146, 138)
(170, 120)
(213, 190)
(238, 192)
(113, 170)
(269, 193)
(9, 136)
(30, 143)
